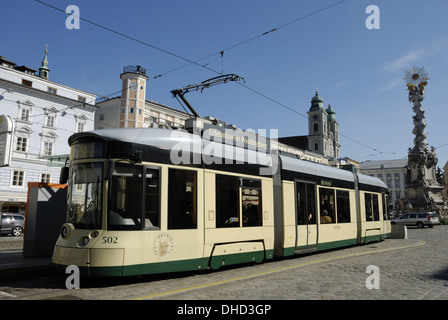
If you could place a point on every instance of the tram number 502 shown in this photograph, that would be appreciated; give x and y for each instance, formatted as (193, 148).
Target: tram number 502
(109, 240)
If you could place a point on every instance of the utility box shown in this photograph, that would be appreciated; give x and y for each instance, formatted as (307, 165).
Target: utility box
(45, 214)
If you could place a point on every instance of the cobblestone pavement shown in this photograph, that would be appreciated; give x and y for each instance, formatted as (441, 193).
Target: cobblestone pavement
(413, 268)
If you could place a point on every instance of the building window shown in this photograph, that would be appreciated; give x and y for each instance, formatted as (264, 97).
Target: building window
(22, 138)
(22, 144)
(101, 116)
(82, 99)
(50, 121)
(45, 177)
(25, 115)
(81, 122)
(316, 127)
(18, 178)
(52, 90)
(48, 148)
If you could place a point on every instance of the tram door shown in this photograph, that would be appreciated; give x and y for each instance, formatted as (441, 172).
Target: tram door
(306, 214)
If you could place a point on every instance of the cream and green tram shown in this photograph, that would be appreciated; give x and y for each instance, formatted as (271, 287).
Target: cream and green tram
(136, 205)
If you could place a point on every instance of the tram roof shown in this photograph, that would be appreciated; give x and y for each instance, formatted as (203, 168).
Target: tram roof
(365, 179)
(308, 167)
(170, 139)
(145, 136)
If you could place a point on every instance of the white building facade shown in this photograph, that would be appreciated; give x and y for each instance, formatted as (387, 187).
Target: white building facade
(45, 114)
(391, 172)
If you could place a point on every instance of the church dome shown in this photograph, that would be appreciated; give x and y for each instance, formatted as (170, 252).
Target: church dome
(331, 114)
(317, 103)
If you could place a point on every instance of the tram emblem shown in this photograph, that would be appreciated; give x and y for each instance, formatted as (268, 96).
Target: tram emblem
(163, 245)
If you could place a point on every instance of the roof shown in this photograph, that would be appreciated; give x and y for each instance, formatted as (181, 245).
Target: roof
(383, 164)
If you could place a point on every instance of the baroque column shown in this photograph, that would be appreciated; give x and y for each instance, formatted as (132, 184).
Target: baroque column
(424, 187)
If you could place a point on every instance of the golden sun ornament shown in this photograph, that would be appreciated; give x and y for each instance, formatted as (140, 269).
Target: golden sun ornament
(416, 75)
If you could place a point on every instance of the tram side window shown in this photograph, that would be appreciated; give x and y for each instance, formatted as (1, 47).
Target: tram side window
(343, 206)
(251, 201)
(306, 203)
(182, 199)
(327, 205)
(125, 198)
(371, 207)
(152, 198)
(227, 201)
(385, 207)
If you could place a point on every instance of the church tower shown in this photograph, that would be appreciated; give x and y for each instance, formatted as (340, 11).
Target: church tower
(333, 128)
(133, 96)
(323, 129)
(43, 70)
(317, 125)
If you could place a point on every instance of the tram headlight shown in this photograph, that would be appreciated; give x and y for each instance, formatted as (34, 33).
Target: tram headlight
(85, 241)
(94, 234)
(64, 232)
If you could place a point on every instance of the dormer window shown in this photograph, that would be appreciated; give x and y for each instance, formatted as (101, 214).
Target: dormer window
(52, 90)
(27, 83)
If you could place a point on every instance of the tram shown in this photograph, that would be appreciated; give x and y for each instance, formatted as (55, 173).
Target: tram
(153, 200)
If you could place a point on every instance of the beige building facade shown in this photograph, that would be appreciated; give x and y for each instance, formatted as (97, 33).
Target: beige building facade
(132, 110)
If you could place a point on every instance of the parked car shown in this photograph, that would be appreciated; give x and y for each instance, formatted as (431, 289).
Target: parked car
(12, 223)
(419, 219)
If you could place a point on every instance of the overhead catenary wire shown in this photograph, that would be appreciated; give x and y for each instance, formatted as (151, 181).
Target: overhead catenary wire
(221, 52)
(130, 37)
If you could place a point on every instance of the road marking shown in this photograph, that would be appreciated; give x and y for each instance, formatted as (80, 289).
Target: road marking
(420, 243)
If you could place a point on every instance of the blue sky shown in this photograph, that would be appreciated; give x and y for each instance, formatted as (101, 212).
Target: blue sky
(359, 71)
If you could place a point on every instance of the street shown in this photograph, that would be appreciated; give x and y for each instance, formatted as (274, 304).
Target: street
(396, 269)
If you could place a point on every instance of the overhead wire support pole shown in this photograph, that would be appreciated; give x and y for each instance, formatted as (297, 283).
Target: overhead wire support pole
(205, 84)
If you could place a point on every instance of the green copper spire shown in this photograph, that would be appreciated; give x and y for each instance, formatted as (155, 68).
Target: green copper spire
(331, 114)
(317, 103)
(43, 70)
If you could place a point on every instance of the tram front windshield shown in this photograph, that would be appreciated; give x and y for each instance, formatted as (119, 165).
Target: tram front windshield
(84, 201)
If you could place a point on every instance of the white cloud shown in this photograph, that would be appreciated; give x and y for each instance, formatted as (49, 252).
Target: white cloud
(392, 84)
(404, 61)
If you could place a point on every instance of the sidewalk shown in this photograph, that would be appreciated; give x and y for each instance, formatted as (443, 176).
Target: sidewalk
(13, 263)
